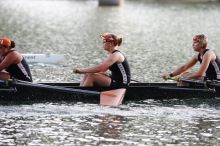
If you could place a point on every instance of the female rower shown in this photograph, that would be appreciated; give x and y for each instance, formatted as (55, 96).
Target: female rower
(12, 64)
(210, 63)
(116, 63)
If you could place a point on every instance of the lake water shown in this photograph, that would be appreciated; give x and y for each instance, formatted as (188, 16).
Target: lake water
(157, 37)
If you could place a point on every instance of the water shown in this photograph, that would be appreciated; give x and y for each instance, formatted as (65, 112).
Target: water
(152, 123)
(157, 38)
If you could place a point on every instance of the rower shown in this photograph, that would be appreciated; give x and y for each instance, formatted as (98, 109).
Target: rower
(116, 63)
(12, 64)
(210, 63)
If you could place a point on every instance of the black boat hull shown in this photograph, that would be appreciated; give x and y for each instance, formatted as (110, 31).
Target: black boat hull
(135, 92)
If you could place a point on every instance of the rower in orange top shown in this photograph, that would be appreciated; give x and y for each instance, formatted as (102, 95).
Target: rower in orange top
(116, 63)
(12, 64)
(210, 63)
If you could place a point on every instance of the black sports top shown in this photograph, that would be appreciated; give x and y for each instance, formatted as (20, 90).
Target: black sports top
(213, 71)
(20, 71)
(120, 71)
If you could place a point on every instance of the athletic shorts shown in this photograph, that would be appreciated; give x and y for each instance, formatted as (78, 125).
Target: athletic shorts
(117, 84)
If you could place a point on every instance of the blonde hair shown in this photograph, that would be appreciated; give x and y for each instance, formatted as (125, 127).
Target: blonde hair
(202, 39)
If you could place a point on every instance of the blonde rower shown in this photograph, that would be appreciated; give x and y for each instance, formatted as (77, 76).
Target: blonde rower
(209, 62)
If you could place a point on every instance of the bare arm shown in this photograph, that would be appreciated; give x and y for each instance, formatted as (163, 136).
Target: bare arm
(115, 57)
(186, 66)
(11, 58)
(207, 58)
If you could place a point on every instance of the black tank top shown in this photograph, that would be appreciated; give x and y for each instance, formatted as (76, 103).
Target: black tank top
(120, 71)
(20, 71)
(213, 71)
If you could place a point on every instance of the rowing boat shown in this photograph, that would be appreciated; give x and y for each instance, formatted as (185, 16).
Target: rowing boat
(73, 92)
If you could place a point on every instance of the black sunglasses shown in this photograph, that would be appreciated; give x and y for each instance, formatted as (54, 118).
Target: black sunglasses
(3, 46)
(106, 40)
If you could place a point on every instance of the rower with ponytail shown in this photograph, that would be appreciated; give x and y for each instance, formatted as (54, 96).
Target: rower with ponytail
(116, 63)
(12, 63)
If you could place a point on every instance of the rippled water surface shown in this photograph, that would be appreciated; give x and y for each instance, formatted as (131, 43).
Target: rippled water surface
(156, 38)
(151, 123)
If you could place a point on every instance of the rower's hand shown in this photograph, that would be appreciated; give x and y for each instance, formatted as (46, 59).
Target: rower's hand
(166, 76)
(76, 71)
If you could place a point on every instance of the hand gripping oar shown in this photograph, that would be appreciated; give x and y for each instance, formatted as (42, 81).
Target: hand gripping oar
(111, 97)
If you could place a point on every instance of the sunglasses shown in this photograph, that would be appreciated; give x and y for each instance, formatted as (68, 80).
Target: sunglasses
(3, 46)
(105, 41)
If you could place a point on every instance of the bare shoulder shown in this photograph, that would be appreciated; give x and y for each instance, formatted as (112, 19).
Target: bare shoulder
(195, 57)
(210, 53)
(118, 56)
(116, 53)
(15, 56)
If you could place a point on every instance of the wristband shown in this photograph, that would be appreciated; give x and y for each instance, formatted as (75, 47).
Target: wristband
(171, 75)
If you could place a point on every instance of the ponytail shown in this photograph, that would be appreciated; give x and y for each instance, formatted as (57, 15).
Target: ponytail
(12, 44)
(119, 41)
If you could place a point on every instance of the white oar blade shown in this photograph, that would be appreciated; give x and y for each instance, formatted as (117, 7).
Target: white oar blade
(112, 97)
(43, 58)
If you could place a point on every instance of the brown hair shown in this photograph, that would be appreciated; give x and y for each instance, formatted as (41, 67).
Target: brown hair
(202, 39)
(12, 44)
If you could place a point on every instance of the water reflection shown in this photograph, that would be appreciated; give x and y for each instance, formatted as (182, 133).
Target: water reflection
(111, 126)
(133, 124)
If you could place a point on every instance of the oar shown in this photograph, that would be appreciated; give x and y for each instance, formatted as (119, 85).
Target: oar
(206, 83)
(111, 97)
(43, 58)
(136, 81)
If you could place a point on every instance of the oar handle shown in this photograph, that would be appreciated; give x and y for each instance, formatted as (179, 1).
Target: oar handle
(176, 78)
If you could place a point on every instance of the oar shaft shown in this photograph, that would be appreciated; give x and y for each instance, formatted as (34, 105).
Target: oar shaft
(199, 82)
(136, 81)
(9, 90)
(206, 83)
(54, 88)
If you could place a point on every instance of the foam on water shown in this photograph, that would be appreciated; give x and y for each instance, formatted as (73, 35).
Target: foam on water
(151, 109)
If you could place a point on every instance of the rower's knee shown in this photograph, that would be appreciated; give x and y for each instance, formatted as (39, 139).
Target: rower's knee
(89, 80)
(182, 84)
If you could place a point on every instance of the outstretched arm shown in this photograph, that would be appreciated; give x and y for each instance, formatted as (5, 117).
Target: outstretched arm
(186, 66)
(102, 67)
